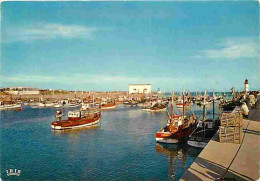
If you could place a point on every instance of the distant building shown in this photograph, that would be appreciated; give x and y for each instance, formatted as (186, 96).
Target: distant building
(22, 90)
(140, 88)
(246, 86)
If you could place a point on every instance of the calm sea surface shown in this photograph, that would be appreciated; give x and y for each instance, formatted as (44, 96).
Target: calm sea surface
(123, 147)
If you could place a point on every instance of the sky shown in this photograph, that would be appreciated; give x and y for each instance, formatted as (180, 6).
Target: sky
(104, 46)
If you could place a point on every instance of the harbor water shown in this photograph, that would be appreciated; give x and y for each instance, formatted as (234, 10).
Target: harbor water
(122, 147)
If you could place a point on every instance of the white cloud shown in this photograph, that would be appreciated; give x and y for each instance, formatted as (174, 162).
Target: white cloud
(232, 49)
(72, 79)
(45, 31)
(85, 79)
(110, 82)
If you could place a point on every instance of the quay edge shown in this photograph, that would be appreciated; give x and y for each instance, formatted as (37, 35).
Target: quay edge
(229, 160)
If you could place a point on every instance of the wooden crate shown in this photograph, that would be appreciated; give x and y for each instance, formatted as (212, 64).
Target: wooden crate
(230, 134)
(231, 119)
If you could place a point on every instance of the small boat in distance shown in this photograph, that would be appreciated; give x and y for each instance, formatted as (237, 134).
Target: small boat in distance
(183, 103)
(158, 107)
(108, 106)
(178, 127)
(19, 109)
(130, 103)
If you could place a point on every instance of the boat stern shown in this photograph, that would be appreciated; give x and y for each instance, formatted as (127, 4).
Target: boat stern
(56, 125)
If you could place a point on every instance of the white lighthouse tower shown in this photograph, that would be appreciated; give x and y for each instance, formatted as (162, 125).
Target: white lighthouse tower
(246, 86)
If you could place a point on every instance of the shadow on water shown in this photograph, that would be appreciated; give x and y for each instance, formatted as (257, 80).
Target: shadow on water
(179, 157)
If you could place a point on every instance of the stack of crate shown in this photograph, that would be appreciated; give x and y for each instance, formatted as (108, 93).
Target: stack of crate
(231, 129)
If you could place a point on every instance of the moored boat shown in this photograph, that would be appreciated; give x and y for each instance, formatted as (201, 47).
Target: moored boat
(130, 103)
(9, 106)
(181, 105)
(158, 108)
(19, 109)
(178, 127)
(203, 133)
(108, 106)
(206, 129)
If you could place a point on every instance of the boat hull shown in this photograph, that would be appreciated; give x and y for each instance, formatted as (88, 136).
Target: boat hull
(131, 104)
(167, 140)
(157, 110)
(176, 137)
(59, 127)
(108, 107)
(198, 144)
(9, 106)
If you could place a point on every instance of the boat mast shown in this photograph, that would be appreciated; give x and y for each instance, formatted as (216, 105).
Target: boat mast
(93, 98)
(213, 103)
(183, 99)
(204, 105)
(172, 108)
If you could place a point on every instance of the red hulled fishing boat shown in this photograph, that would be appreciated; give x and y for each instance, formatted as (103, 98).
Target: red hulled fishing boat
(108, 106)
(86, 116)
(178, 127)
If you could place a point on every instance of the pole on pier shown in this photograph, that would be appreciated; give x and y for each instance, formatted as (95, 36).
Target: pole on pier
(213, 103)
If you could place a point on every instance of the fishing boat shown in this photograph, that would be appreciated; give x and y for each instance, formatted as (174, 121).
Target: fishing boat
(57, 105)
(45, 104)
(74, 104)
(182, 103)
(130, 103)
(86, 116)
(19, 109)
(108, 106)
(205, 131)
(149, 105)
(158, 107)
(9, 106)
(178, 127)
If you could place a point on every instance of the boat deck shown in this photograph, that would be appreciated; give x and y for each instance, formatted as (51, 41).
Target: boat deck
(229, 160)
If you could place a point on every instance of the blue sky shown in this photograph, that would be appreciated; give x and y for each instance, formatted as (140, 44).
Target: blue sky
(105, 46)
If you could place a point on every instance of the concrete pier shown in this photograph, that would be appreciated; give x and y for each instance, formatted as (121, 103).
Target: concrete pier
(230, 161)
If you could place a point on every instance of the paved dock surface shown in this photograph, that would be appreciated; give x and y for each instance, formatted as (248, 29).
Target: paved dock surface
(230, 161)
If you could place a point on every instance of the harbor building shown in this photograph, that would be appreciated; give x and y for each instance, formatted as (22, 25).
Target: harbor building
(140, 88)
(246, 86)
(23, 91)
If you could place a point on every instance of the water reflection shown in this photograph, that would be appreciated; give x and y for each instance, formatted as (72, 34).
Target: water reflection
(179, 155)
(74, 138)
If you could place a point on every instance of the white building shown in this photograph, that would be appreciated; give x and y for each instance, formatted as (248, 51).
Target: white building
(22, 90)
(140, 88)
